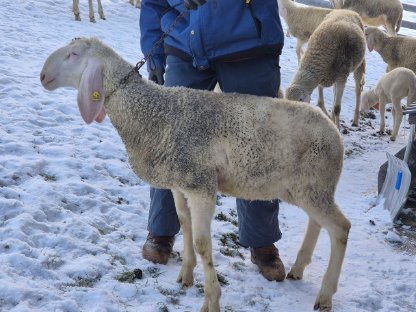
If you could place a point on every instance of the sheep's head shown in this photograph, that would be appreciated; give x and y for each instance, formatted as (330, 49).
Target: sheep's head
(76, 65)
(296, 93)
(367, 101)
(373, 35)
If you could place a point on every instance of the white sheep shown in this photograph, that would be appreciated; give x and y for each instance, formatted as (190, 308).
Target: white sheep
(199, 142)
(335, 49)
(301, 21)
(75, 9)
(136, 3)
(391, 88)
(388, 13)
(397, 51)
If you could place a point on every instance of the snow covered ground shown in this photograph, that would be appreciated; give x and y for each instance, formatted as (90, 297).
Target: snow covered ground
(73, 215)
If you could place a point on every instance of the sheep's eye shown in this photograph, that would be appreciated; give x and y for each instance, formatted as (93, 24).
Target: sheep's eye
(73, 53)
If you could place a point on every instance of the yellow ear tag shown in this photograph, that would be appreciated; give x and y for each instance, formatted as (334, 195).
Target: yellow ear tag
(95, 96)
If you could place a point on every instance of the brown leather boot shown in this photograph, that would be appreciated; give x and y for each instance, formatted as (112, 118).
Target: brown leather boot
(158, 248)
(268, 260)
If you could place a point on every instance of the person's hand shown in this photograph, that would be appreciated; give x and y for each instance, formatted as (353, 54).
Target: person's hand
(156, 75)
(193, 4)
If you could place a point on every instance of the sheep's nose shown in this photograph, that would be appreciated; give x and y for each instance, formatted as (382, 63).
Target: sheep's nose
(42, 77)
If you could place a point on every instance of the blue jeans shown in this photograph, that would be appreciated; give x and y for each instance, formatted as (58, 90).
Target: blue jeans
(258, 220)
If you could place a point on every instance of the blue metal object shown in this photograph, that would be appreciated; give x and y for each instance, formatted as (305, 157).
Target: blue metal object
(399, 180)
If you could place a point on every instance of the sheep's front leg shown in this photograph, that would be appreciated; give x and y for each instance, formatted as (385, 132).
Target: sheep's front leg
(339, 87)
(75, 9)
(100, 10)
(397, 118)
(186, 276)
(359, 78)
(202, 208)
(299, 52)
(91, 11)
(321, 101)
(305, 252)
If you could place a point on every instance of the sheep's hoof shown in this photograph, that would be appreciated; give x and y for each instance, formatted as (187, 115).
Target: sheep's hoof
(92, 20)
(103, 17)
(392, 138)
(292, 275)
(323, 305)
(210, 307)
(186, 277)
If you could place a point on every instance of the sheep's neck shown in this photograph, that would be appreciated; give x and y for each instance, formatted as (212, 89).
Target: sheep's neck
(307, 79)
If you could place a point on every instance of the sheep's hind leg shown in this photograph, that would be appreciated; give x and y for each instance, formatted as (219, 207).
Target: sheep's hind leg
(100, 10)
(91, 11)
(338, 226)
(186, 276)
(75, 9)
(202, 208)
(305, 251)
(397, 118)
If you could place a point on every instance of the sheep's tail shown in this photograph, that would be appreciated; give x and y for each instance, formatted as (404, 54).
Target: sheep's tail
(399, 22)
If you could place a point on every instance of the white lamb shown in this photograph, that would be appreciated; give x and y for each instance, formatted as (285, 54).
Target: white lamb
(199, 142)
(391, 88)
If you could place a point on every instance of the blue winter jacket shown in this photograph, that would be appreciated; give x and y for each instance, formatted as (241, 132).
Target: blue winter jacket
(217, 30)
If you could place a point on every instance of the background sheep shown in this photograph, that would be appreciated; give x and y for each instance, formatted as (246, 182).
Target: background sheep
(301, 21)
(335, 49)
(199, 142)
(75, 9)
(396, 51)
(388, 13)
(136, 3)
(391, 88)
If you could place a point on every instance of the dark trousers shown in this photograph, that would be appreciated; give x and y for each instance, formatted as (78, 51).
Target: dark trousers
(258, 220)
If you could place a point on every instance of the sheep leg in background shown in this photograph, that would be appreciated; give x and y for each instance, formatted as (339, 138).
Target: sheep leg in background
(305, 252)
(202, 207)
(382, 114)
(339, 87)
(337, 225)
(359, 78)
(299, 52)
(91, 11)
(397, 118)
(186, 275)
(75, 9)
(100, 10)
(321, 101)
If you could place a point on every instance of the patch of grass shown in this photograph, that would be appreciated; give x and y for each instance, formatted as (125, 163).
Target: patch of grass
(130, 276)
(230, 248)
(222, 280)
(48, 177)
(154, 272)
(87, 282)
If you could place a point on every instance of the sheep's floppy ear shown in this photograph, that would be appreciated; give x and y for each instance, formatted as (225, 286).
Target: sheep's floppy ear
(91, 93)
(282, 11)
(370, 42)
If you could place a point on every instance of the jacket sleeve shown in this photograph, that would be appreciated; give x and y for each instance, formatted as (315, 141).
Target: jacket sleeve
(150, 31)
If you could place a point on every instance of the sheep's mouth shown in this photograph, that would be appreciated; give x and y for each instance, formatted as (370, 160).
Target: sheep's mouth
(47, 84)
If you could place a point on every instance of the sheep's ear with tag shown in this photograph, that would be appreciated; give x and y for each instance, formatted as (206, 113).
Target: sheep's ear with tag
(91, 93)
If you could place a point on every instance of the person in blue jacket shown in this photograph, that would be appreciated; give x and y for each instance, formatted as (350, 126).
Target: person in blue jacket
(237, 44)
